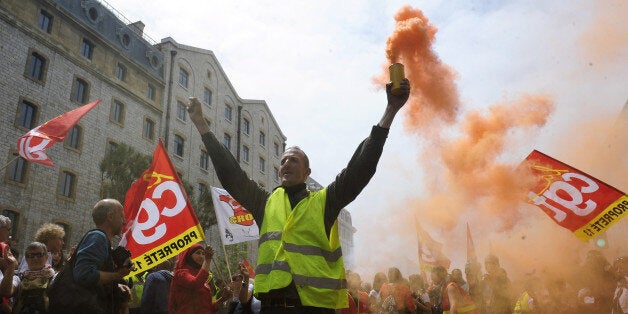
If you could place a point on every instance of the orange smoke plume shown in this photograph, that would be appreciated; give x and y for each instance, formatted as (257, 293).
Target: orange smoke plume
(466, 166)
(433, 90)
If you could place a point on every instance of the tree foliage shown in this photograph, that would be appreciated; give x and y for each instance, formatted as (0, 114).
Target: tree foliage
(119, 168)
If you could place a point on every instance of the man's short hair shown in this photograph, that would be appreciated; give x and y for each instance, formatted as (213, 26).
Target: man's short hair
(102, 208)
(307, 160)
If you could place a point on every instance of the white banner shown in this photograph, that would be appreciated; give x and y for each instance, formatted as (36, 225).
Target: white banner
(236, 224)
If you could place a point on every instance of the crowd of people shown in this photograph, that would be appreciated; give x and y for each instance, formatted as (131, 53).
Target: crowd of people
(186, 284)
(597, 286)
(300, 268)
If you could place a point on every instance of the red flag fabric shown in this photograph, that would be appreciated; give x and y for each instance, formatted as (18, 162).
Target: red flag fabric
(573, 199)
(31, 145)
(160, 220)
(249, 268)
(471, 255)
(430, 251)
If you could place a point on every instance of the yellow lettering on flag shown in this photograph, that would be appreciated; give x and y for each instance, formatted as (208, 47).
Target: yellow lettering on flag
(608, 217)
(167, 250)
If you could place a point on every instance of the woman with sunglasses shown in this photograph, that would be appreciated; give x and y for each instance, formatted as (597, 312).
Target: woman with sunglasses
(32, 296)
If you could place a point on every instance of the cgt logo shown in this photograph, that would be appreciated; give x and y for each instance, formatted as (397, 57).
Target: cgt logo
(564, 192)
(241, 216)
(152, 208)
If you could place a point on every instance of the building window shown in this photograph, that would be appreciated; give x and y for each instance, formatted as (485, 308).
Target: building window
(276, 174)
(184, 77)
(179, 144)
(45, 21)
(15, 221)
(117, 112)
(228, 112)
(17, 170)
(246, 126)
(121, 72)
(276, 146)
(27, 115)
(202, 188)
(36, 66)
(204, 160)
(74, 137)
(226, 140)
(87, 49)
(181, 111)
(207, 96)
(245, 153)
(150, 93)
(67, 185)
(262, 164)
(66, 229)
(149, 129)
(80, 91)
(262, 138)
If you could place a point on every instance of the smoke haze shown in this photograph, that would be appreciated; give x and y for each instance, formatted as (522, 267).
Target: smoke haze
(468, 157)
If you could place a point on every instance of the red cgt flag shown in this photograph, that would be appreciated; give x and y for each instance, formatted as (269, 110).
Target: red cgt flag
(31, 145)
(160, 220)
(573, 199)
(430, 251)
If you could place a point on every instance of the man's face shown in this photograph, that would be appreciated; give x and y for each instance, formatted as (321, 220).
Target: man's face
(293, 170)
(116, 217)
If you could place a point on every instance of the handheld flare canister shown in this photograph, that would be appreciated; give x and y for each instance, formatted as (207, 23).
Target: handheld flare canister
(396, 76)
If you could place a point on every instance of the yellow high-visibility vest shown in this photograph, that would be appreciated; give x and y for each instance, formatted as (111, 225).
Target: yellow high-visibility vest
(293, 246)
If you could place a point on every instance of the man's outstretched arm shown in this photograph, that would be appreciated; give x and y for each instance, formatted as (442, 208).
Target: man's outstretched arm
(228, 170)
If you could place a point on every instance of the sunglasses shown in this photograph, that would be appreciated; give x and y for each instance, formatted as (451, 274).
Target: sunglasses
(33, 255)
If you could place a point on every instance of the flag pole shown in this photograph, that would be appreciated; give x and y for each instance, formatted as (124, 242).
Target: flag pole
(10, 162)
(224, 249)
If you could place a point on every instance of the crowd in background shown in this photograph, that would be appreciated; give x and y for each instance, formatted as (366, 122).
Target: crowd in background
(187, 285)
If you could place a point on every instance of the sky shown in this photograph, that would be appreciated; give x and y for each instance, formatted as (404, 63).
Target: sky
(491, 81)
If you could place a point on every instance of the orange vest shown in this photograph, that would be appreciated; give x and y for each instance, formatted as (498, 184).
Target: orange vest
(467, 307)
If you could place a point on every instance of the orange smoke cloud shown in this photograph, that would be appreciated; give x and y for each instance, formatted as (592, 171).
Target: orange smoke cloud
(434, 96)
(466, 166)
(470, 162)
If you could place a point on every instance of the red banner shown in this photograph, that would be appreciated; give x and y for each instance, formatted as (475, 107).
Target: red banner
(160, 220)
(430, 251)
(31, 145)
(575, 200)
(249, 267)
(471, 255)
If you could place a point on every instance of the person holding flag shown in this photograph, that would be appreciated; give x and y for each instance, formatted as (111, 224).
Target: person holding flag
(300, 267)
(190, 291)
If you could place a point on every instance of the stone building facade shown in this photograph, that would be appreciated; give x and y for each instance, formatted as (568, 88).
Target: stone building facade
(60, 54)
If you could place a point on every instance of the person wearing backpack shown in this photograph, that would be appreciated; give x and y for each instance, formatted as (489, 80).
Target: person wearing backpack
(92, 281)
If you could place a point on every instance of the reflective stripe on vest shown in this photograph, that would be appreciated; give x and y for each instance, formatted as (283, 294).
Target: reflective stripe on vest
(294, 246)
(521, 306)
(464, 309)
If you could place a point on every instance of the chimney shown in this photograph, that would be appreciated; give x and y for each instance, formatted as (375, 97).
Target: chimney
(137, 27)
